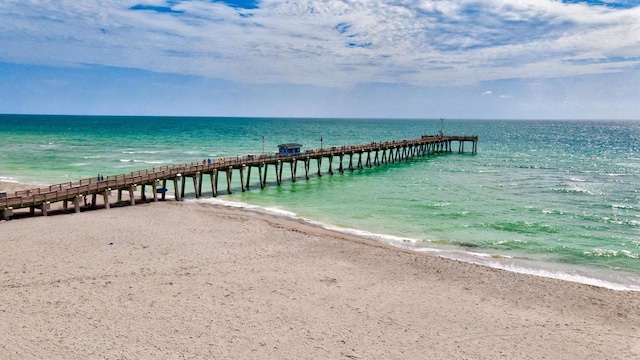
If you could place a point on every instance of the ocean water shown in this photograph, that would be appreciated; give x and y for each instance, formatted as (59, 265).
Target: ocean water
(552, 198)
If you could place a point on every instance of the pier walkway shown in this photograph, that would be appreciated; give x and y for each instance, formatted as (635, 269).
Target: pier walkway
(158, 178)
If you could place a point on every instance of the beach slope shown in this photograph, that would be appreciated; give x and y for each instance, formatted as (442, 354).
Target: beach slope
(183, 280)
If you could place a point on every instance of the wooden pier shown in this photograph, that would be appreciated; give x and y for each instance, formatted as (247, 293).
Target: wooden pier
(159, 178)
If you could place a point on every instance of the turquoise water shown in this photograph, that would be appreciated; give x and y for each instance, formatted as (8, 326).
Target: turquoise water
(554, 198)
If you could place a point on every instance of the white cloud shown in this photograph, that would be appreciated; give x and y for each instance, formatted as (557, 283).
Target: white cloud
(488, 92)
(328, 43)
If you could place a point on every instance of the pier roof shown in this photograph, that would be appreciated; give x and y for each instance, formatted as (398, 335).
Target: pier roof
(289, 146)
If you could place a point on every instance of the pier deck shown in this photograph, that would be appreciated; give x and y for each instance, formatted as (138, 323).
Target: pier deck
(368, 155)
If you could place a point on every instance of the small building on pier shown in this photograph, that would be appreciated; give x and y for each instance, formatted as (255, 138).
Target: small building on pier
(289, 149)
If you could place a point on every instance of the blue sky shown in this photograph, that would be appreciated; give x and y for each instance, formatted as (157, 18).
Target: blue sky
(531, 59)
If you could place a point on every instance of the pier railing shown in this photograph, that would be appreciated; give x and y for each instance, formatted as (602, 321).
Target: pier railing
(384, 152)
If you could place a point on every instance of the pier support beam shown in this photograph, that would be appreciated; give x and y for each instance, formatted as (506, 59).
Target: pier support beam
(279, 172)
(241, 169)
(196, 183)
(164, 186)
(7, 213)
(199, 188)
(307, 162)
(105, 198)
(143, 192)
(229, 174)
(294, 166)
(214, 182)
(264, 177)
(176, 186)
(248, 177)
(132, 198)
(184, 183)
(262, 181)
(154, 188)
(45, 207)
(331, 164)
(76, 203)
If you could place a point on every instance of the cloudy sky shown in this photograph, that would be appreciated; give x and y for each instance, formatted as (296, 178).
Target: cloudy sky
(350, 58)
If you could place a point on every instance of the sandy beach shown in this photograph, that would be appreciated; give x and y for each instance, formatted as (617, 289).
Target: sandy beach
(181, 280)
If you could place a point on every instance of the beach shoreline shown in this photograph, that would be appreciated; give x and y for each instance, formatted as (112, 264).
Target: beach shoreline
(182, 279)
(613, 280)
(620, 281)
